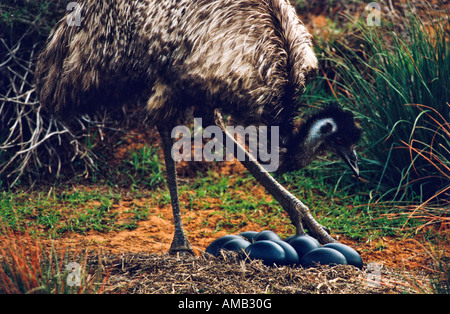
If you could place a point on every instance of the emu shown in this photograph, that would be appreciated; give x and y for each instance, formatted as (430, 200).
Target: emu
(249, 59)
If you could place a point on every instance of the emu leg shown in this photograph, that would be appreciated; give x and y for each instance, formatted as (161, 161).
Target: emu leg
(297, 211)
(180, 243)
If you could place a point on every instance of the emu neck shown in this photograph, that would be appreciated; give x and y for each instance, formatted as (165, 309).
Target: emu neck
(307, 151)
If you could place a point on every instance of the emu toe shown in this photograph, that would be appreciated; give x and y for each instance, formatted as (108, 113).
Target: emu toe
(327, 230)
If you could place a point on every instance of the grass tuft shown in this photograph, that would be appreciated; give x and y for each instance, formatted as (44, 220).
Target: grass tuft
(25, 268)
(397, 83)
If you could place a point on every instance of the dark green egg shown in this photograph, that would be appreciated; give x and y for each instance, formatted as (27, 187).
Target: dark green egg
(323, 256)
(304, 244)
(295, 236)
(269, 252)
(267, 235)
(236, 245)
(217, 244)
(291, 254)
(249, 235)
(352, 257)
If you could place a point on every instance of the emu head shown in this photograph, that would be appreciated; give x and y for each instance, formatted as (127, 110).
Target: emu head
(333, 129)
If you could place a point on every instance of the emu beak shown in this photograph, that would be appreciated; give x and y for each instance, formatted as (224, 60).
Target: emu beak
(350, 158)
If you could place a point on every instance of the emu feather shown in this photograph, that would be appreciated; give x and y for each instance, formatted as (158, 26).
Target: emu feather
(249, 58)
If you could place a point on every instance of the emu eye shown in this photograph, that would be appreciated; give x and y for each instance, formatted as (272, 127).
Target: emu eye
(326, 129)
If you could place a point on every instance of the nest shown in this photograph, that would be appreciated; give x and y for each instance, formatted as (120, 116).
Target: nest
(227, 274)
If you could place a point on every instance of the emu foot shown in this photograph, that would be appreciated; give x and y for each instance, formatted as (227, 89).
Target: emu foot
(181, 247)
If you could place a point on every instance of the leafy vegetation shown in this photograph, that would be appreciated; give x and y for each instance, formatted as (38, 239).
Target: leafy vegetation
(397, 83)
(144, 168)
(54, 214)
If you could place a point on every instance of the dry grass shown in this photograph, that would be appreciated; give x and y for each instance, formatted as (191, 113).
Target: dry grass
(30, 141)
(34, 144)
(164, 274)
(40, 267)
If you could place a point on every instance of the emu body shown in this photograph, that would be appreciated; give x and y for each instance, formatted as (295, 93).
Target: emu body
(247, 58)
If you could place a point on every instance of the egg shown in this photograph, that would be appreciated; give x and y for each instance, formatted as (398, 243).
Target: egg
(217, 244)
(295, 236)
(352, 257)
(269, 252)
(249, 235)
(236, 245)
(266, 235)
(291, 254)
(290, 238)
(323, 256)
(303, 244)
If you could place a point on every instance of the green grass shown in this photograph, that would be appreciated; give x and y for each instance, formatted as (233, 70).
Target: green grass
(342, 203)
(18, 16)
(337, 200)
(143, 168)
(54, 214)
(397, 84)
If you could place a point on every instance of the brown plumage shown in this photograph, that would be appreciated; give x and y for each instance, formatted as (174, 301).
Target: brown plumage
(247, 58)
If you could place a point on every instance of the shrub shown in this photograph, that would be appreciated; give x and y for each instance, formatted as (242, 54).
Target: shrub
(397, 82)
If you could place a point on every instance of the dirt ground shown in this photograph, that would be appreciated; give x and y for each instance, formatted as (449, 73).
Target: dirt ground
(154, 235)
(140, 263)
(136, 262)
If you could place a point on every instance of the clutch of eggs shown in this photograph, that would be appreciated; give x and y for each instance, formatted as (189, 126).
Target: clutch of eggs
(294, 251)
